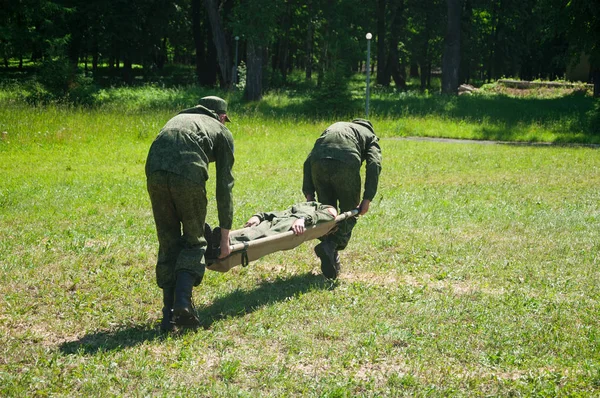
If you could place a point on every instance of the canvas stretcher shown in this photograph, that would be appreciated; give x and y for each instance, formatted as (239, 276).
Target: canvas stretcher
(244, 253)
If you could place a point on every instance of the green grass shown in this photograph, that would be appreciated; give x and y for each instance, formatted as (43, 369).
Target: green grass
(473, 274)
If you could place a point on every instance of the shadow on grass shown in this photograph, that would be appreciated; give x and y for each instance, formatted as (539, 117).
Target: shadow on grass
(240, 302)
(573, 117)
(112, 340)
(237, 303)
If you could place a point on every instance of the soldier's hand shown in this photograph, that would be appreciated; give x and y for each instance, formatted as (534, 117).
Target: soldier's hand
(363, 208)
(298, 226)
(252, 222)
(225, 251)
(225, 248)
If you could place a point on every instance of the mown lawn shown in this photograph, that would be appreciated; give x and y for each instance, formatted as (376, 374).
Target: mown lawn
(474, 274)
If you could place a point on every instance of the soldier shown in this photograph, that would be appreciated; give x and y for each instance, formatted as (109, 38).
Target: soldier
(176, 172)
(332, 169)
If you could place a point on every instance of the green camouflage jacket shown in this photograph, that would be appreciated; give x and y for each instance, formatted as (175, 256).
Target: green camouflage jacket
(187, 144)
(353, 144)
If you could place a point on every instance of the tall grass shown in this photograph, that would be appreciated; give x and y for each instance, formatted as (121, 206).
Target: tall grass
(473, 274)
(562, 119)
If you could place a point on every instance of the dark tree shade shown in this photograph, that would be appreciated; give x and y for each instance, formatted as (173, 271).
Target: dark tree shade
(468, 40)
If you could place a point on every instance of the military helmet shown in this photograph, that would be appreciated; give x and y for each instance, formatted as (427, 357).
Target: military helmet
(216, 104)
(364, 123)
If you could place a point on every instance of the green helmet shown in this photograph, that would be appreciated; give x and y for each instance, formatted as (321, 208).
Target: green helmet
(365, 123)
(216, 104)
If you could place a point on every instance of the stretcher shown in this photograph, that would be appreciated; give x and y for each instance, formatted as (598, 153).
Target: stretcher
(243, 253)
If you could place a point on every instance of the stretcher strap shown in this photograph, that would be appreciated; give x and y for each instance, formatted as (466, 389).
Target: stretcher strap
(244, 254)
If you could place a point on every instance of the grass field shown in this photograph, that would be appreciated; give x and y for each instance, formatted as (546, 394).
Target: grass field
(475, 273)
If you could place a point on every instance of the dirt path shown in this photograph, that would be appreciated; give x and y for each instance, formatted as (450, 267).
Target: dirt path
(489, 142)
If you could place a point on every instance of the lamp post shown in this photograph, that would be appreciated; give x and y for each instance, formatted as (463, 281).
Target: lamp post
(235, 65)
(368, 67)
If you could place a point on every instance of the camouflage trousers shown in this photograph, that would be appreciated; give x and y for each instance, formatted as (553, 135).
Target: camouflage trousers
(264, 229)
(179, 208)
(337, 184)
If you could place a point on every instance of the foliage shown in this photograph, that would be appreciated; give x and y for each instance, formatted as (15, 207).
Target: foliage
(334, 97)
(594, 119)
(529, 39)
(56, 82)
(583, 19)
(241, 77)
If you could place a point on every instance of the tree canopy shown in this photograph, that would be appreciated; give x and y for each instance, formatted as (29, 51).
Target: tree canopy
(471, 40)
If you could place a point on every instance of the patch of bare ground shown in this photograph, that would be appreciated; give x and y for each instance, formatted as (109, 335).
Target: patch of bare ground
(379, 371)
(425, 280)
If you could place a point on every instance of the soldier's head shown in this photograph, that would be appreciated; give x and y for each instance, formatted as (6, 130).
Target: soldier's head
(364, 123)
(216, 104)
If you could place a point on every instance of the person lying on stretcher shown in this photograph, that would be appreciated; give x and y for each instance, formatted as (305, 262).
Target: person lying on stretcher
(295, 218)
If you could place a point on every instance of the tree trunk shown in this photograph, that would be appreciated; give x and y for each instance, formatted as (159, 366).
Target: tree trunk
(163, 58)
(425, 61)
(451, 59)
(393, 65)
(423, 76)
(465, 43)
(95, 57)
(220, 42)
(323, 59)
(381, 56)
(127, 72)
(414, 70)
(493, 39)
(596, 79)
(211, 64)
(284, 43)
(254, 72)
(198, 43)
(309, 51)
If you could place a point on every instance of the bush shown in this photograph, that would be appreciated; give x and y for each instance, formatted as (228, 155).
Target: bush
(55, 76)
(57, 81)
(334, 97)
(594, 118)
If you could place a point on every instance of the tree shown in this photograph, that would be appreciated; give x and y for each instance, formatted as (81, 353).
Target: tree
(530, 39)
(255, 22)
(584, 29)
(220, 41)
(381, 49)
(389, 64)
(393, 65)
(425, 36)
(206, 66)
(451, 60)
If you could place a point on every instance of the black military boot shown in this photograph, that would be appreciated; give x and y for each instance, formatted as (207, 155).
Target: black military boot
(330, 263)
(166, 325)
(184, 313)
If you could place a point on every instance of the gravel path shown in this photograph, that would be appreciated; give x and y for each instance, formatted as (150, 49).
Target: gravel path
(489, 142)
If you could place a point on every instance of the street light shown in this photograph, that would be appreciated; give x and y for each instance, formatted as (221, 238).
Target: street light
(235, 65)
(369, 37)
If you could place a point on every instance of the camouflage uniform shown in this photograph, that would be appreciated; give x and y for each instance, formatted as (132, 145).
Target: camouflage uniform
(273, 223)
(332, 169)
(176, 171)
